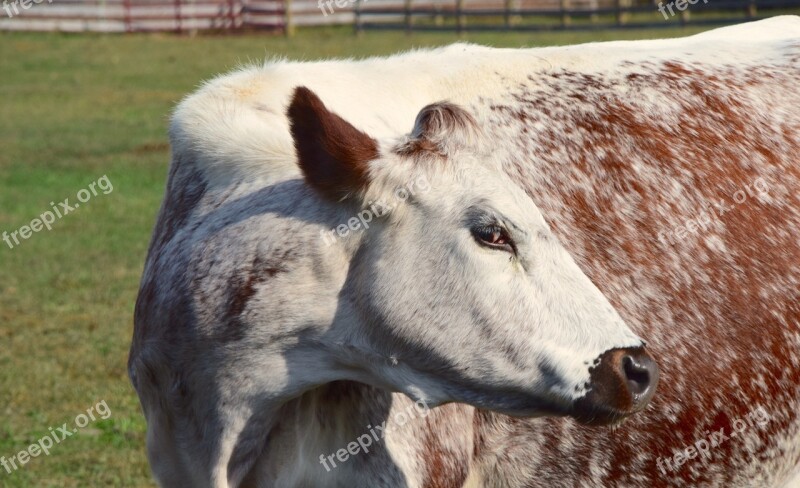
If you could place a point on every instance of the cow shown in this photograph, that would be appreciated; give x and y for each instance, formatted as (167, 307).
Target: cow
(423, 271)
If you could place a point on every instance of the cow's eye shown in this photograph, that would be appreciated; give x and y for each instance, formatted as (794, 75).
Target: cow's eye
(494, 237)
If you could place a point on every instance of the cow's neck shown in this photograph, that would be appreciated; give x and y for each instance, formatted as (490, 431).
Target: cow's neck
(408, 444)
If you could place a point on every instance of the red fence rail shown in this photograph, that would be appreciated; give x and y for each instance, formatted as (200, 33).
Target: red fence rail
(409, 15)
(146, 15)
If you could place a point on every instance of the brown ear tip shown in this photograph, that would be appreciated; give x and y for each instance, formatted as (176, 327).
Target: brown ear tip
(302, 92)
(303, 98)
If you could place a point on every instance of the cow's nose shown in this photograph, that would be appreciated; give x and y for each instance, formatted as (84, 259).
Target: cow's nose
(642, 374)
(621, 383)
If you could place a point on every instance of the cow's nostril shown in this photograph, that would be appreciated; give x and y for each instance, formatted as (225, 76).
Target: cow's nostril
(623, 382)
(638, 373)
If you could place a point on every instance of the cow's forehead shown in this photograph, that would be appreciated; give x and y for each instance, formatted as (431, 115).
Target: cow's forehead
(467, 178)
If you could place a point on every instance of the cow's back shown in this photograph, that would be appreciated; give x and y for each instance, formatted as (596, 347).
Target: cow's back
(676, 185)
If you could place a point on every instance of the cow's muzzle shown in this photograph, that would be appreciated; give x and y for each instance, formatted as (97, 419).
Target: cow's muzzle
(622, 382)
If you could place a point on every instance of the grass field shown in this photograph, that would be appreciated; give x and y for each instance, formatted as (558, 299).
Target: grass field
(73, 109)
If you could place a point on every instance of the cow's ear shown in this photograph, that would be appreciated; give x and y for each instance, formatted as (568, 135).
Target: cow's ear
(333, 155)
(440, 129)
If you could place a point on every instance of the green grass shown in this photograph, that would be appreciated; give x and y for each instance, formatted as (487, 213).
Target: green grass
(75, 108)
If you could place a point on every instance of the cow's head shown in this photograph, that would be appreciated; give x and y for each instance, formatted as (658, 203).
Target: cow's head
(458, 289)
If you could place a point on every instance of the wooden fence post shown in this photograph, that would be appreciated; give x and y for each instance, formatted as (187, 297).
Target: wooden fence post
(461, 19)
(566, 18)
(178, 22)
(359, 29)
(752, 10)
(512, 16)
(409, 18)
(622, 17)
(288, 18)
(126, 6)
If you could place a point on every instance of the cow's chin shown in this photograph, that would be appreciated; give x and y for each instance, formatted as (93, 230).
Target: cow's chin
(587, 412)
(516, 404)
(594, 416)
(583, 410)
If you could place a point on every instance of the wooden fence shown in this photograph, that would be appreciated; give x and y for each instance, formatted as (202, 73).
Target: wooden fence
(537, 15)
(410, 15)
(181, 16)
(145, 15)
(137, 15)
